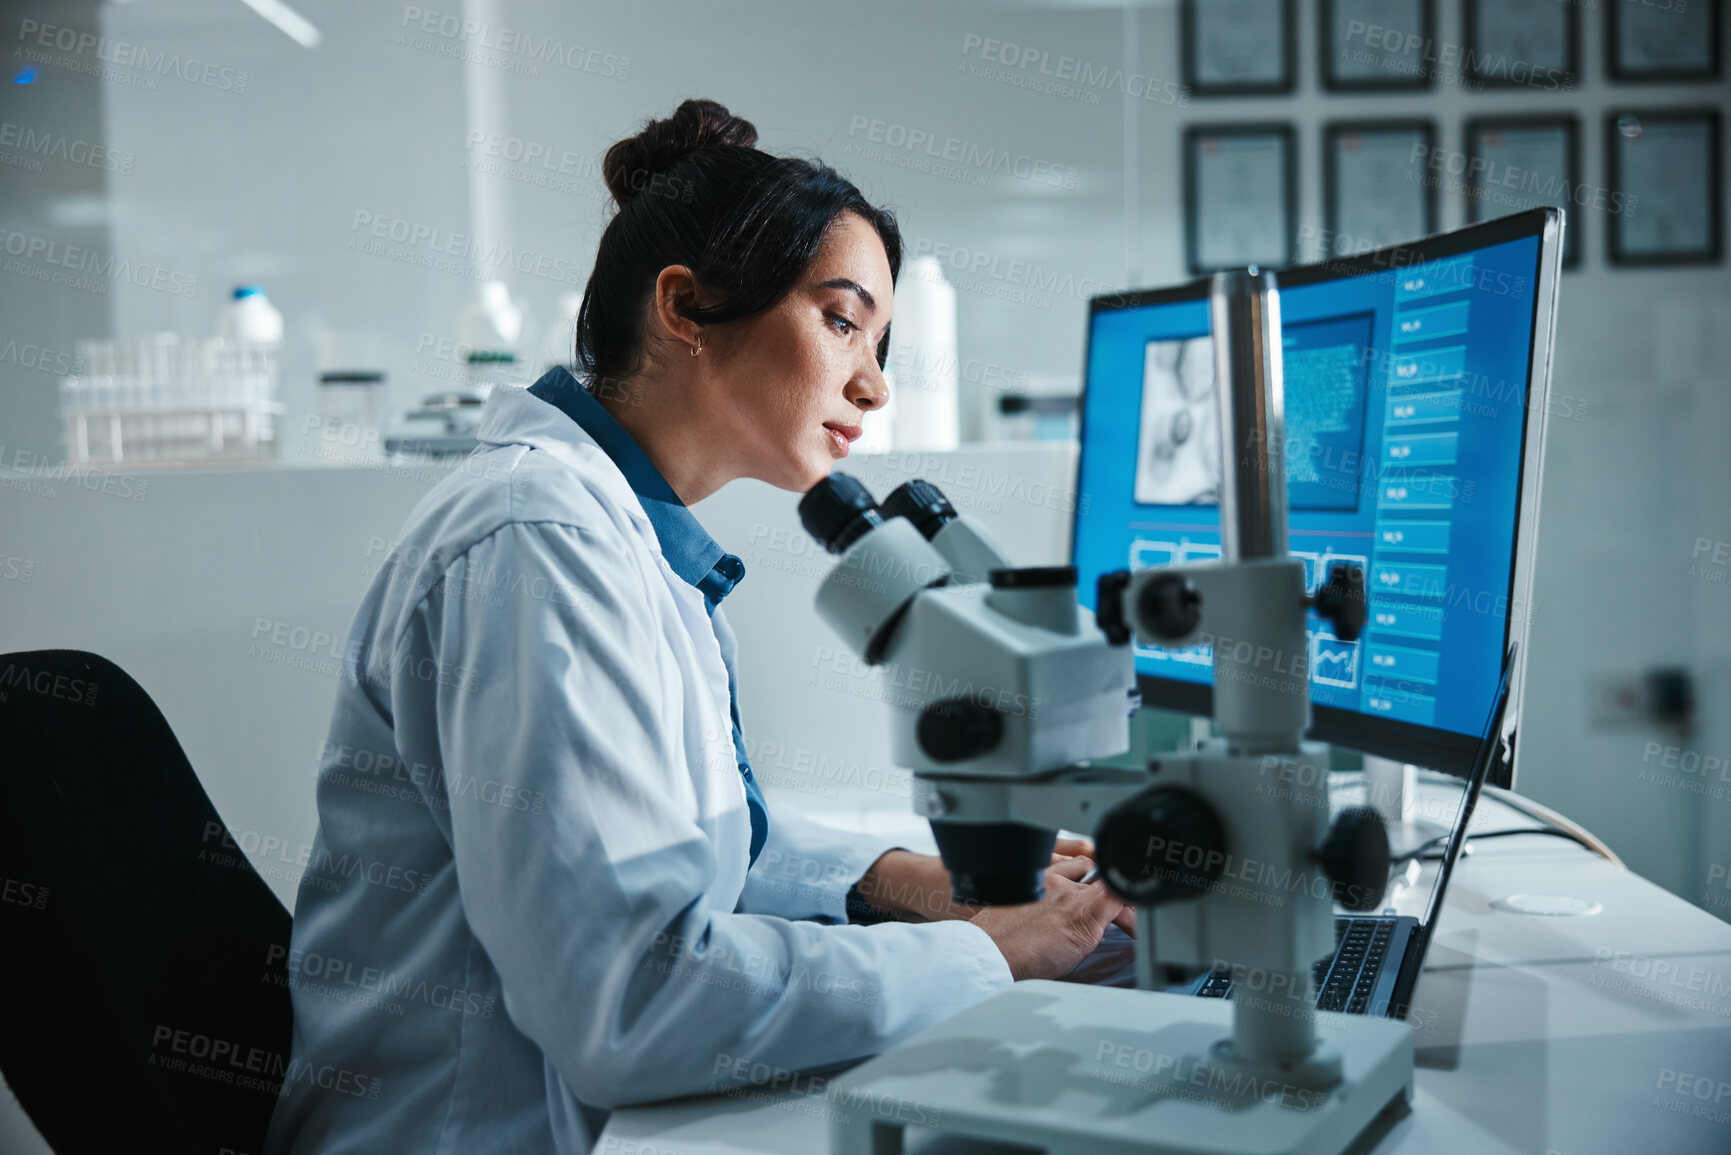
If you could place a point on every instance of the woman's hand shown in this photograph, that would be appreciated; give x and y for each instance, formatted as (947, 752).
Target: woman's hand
(1047, 939)
(916, 887)
(1070, 848)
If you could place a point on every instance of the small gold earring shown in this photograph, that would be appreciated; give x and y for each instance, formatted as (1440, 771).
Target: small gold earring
(699, 348)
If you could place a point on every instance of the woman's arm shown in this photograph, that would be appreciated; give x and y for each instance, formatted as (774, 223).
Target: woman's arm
(807, 870)
(594, 907)
(917, 887)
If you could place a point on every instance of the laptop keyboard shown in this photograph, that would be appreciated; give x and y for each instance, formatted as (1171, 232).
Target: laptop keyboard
(1343, 980)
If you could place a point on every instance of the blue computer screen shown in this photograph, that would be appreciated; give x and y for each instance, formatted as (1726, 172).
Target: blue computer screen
(1405, 410)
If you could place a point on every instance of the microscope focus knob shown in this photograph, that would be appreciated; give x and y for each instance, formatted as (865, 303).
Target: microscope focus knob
(1341, 600)
(1109, 606)
(956, 729)
(1162, 845)
(1169, 607)
(1356, 859)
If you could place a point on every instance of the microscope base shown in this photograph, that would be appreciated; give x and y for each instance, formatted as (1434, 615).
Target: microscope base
(1080, 1070)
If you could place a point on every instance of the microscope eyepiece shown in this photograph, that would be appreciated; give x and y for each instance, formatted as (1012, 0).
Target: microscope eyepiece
(838, 511)
(923, 504)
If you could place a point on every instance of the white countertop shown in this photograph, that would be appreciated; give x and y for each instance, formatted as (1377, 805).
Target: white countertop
(1535, 1035)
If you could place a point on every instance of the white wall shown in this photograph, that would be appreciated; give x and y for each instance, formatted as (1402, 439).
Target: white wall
(46, 196)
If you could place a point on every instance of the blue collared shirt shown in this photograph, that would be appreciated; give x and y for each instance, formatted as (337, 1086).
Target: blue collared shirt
(687, 546)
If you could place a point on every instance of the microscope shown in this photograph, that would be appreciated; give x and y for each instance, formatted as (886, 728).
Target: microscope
(1227, 852)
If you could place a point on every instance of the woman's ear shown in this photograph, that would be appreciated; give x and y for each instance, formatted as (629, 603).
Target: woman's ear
(676, 293)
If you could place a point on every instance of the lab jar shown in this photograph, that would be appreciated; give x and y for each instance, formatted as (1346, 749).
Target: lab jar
(350, 407)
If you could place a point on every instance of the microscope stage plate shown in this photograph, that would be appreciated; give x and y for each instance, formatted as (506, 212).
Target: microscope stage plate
(1083, 1070)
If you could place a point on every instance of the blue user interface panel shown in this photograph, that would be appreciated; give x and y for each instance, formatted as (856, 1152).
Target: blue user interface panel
(1405, 412)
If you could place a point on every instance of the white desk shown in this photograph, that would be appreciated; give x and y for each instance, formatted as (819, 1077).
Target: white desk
(1586, 1035)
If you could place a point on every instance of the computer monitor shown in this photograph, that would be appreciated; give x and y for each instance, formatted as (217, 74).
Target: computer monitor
(1417, 384)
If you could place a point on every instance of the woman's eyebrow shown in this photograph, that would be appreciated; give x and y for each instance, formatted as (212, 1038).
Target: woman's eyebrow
(852, 286)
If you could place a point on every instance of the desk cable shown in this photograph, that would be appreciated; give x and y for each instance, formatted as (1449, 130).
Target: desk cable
(1555, 824)
(1422, 851)
(1561, 824)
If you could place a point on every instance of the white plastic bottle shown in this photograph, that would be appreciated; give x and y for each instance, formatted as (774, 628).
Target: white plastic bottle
(923, 356)
(488, 331)
(250, 319)
(244, 374)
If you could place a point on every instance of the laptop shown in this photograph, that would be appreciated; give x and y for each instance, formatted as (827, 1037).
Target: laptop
(1377, 958)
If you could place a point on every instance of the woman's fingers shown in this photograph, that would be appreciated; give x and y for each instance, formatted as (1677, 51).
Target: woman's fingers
(1064, 881)
(1070, 868)
(1070, 847)
(1100, 899)
(1047, 939)
(1125, 920)
(1066, 878)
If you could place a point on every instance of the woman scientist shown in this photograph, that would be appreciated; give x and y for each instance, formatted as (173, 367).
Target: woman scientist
(544, 883)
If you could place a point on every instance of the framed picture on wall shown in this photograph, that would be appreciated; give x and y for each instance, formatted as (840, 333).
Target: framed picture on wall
(1666, 41)
(1665, 165)
(1240, 196)
(1378, 188)
(1237, 47)
(1522, 162)
(1377, 45)
(1521, 44)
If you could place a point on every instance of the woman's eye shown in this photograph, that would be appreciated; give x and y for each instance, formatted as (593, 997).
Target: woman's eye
(842, 324)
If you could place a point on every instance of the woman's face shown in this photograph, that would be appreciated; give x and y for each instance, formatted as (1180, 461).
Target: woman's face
(794, 381)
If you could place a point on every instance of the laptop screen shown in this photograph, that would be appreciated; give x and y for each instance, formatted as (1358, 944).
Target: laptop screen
(1490, 752)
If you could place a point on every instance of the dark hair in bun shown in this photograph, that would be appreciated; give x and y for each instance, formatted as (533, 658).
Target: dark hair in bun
(694, 190)
(663, 143)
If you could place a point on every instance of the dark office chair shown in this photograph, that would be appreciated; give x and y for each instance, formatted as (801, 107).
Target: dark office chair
(144, 1001)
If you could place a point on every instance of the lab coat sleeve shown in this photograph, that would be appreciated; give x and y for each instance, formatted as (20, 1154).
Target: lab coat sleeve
(588, 892)
(807, 868)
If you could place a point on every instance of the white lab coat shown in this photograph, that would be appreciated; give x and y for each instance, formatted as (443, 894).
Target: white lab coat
(528, 901)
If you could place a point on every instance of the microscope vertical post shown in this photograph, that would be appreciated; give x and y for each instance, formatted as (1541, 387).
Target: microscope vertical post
(1261, 705)
(1244, 308)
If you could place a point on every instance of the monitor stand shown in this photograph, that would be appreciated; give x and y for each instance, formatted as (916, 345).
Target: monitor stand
(1391, 788)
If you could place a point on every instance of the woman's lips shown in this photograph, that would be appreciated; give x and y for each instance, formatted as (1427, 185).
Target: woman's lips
(841, 435)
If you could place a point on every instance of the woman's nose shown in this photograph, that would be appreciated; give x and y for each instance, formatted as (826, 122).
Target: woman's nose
(868, 389)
